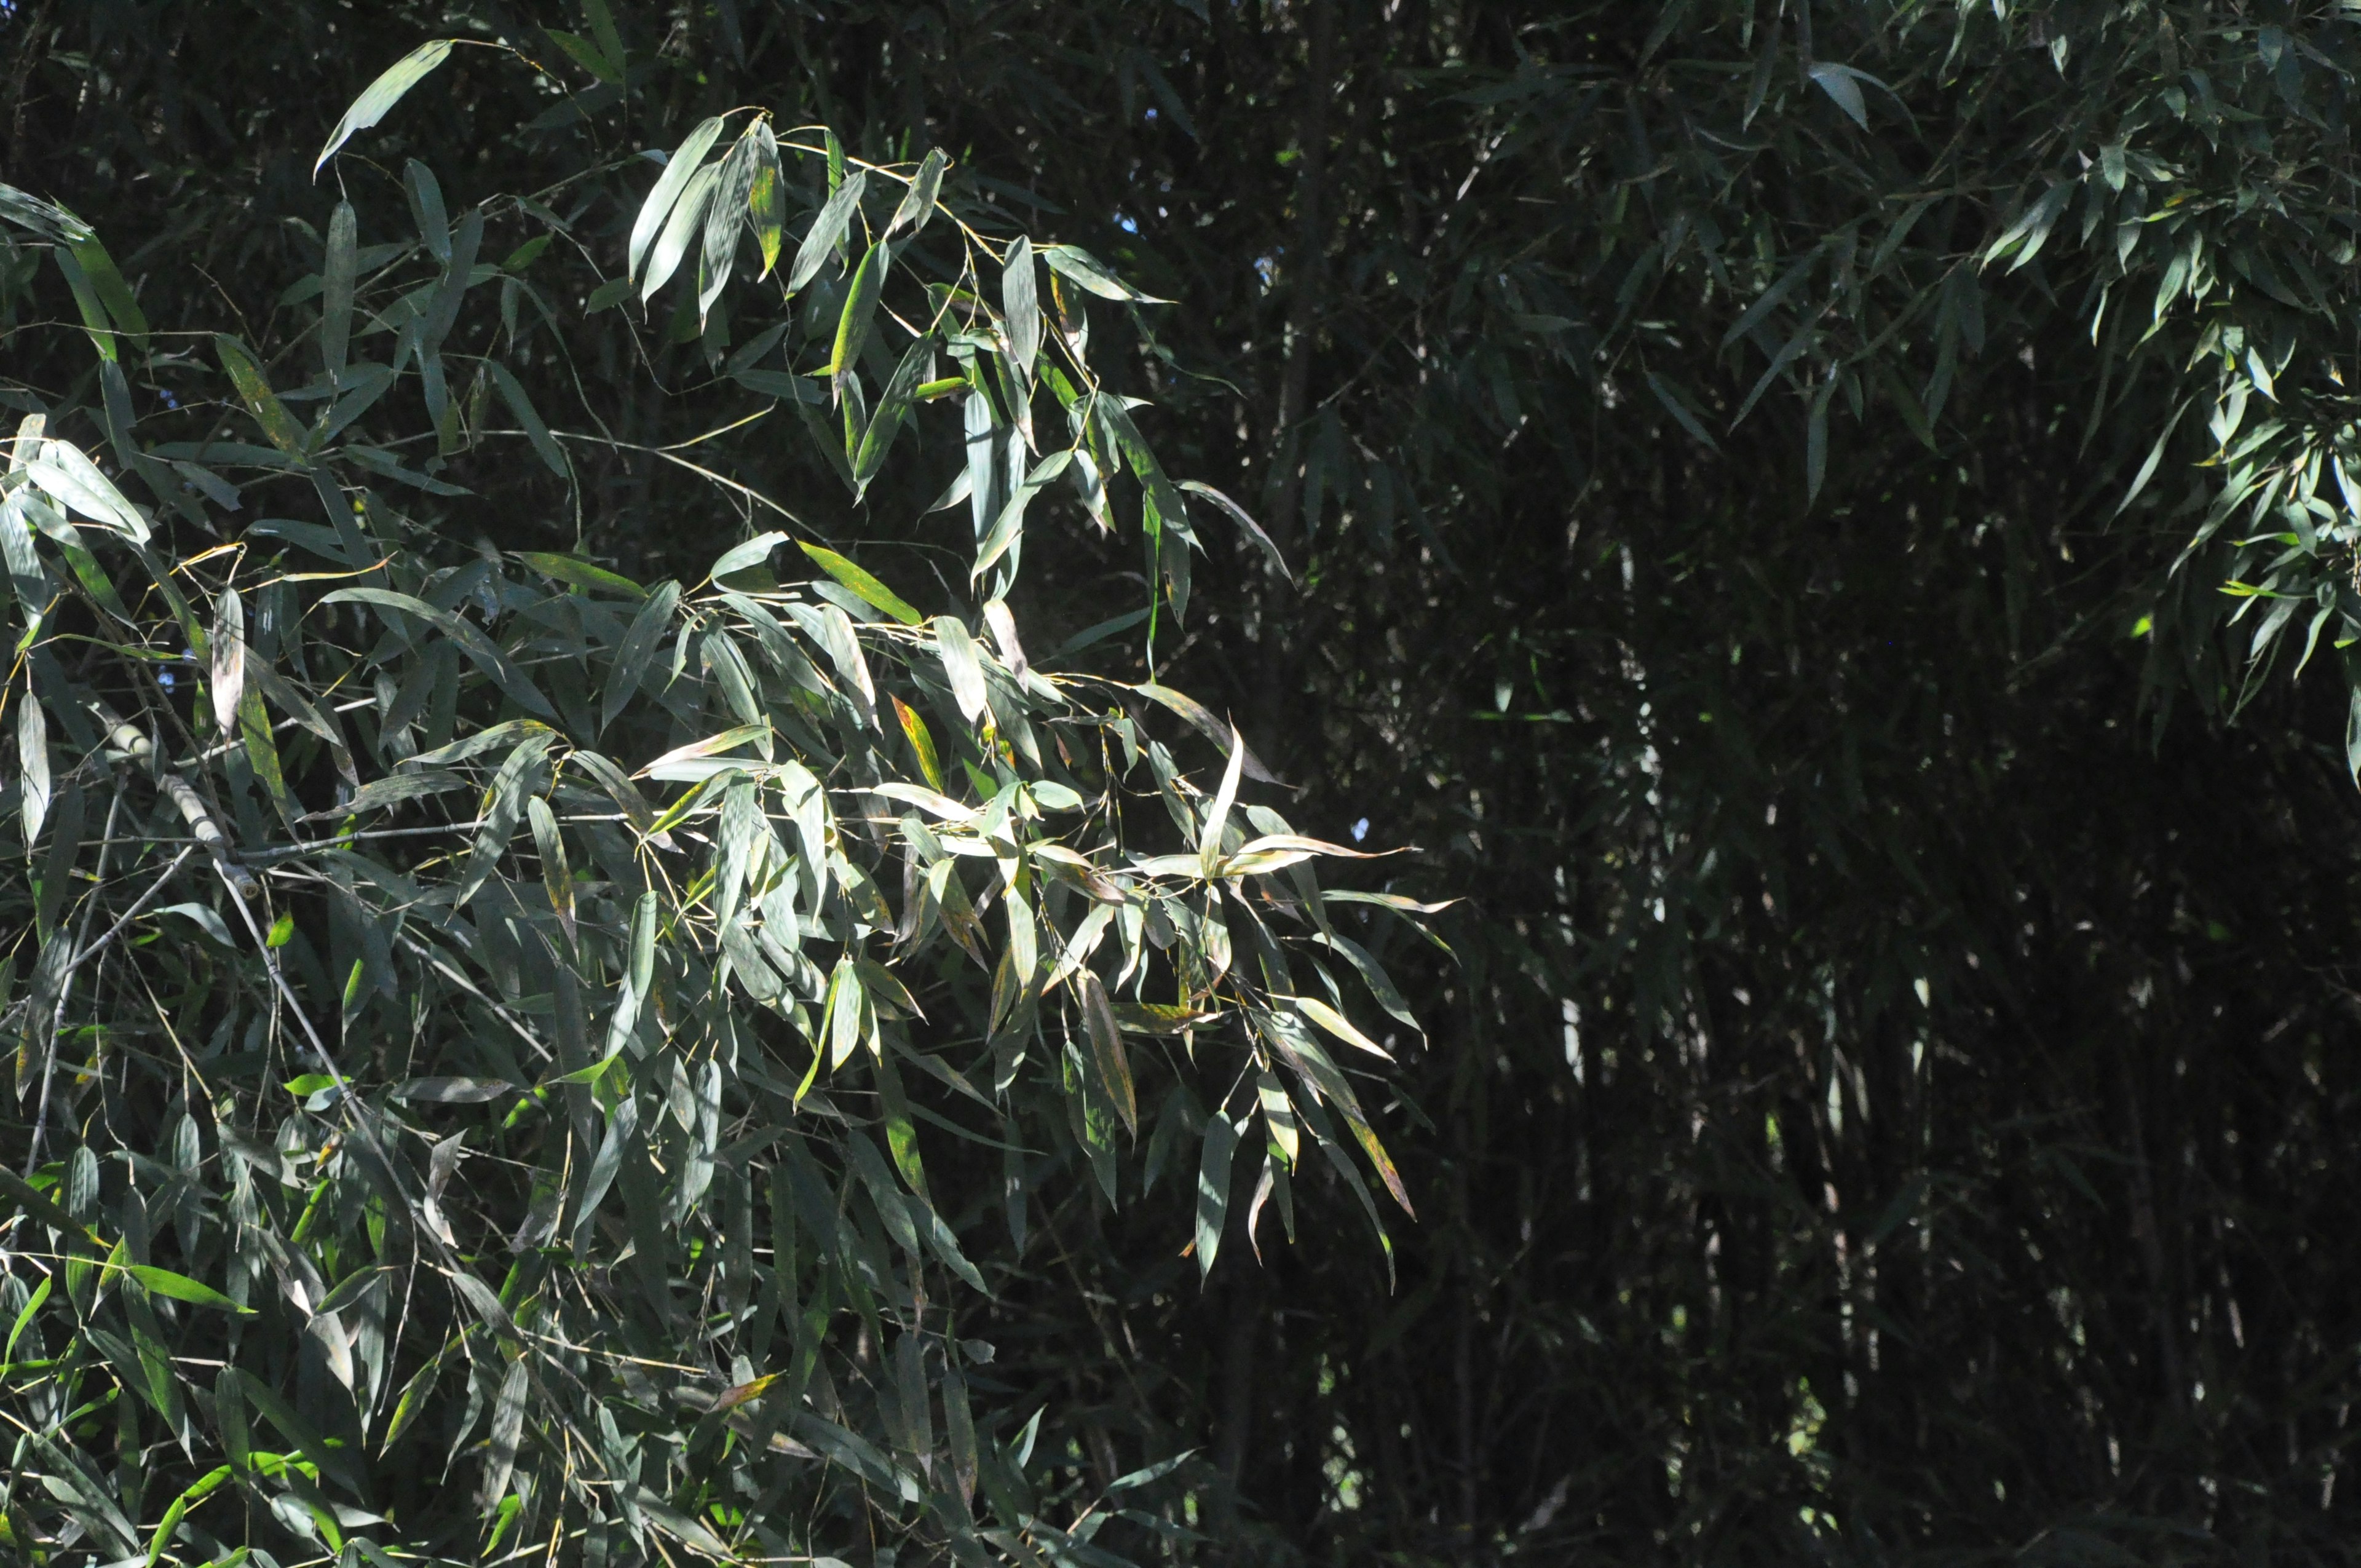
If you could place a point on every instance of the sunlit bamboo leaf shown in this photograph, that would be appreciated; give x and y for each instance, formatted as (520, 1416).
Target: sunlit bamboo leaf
(380, 96)
(657, 211)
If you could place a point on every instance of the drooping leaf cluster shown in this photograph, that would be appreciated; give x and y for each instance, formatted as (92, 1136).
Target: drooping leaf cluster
(512, 1057)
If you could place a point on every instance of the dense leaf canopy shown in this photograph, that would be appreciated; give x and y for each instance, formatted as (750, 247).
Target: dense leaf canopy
(1829, 524)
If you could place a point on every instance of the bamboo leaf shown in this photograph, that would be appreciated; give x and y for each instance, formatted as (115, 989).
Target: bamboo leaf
(1214, 1189)
(512, 393)
(657, 209)
(32, 767)
(685, 225)
(337, 291)
(766, 197)
(1020, 298)
(1336, 1023)
(827, 227)
(922, 744)
(181, 1287)
(1106, 1046)
(227, 656)
(961, 665)
(557, 874)
(860, 582)
(637, 650)
(378, 99)
(859, 308)
(919, 202)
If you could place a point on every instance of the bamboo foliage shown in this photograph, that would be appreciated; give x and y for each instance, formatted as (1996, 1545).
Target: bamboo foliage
(502, 1052)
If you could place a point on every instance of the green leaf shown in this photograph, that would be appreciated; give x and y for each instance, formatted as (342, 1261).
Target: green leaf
(479, 648)
(382, 95)
(170, 1525)
(580, 573)
(961, 665)
(254, 393)
(414, 1393)
(298, 1431)
(512, 393)
(337, 291)
(1214, 1189)
(753, 552)
(1106, 1046)
(685, 162)
(181, 1287)
(638, 649)
(107, 280)
(726, 215)
(919, 202)
(1374, 976)
(525, 254)
(557, 874)
(1336, 1023)
(427, 211)
(74, 481)
(843, 1013)
(1021, 300)
(1209, 836)
(689, 1531)
(94, 318)
(261, 750)
(859, 308)
(1680, 412)
(827, 228)
(32, 760)
(644, 943)
(860, 582)
(877, 439)
(766, 198)
(44, 218)
(1843, 84)
(602, 27)
(588, 56)
(1202, 719)
(2155, 459)
(1278, 1116)
(1816, 441)
(22, 1193)
(26, 1315)
(504, 806)
(711, 746)
(1009, 527)
(507, 1430)
(685, 225)
(2031, 230)
(1078, 265)
(1237, 514)
(1765, 302)
(378, 794)
(1155, 1472)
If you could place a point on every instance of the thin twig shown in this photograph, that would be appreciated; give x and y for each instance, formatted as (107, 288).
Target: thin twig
(136, 909)
(749, 492)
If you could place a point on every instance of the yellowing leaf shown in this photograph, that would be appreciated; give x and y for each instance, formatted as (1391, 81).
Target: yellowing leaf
(868, 587)
(1336, 1023)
